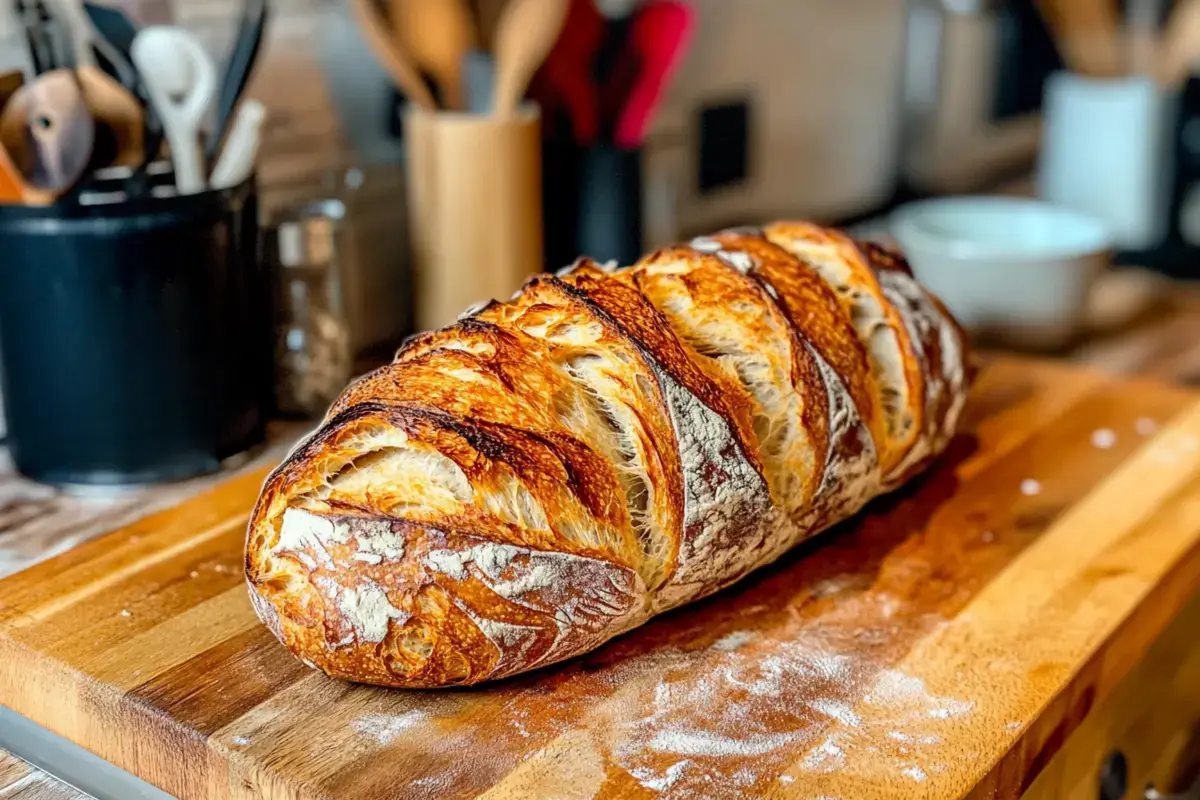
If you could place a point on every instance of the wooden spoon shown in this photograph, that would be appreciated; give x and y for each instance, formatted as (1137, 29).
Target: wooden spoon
(487, 15)
(526, 32)
(117, 110)
(10, 81)
(1181, 44)
(47, 131)
(13, 188)
(438, 34)
(1087, 33)
(391, 55)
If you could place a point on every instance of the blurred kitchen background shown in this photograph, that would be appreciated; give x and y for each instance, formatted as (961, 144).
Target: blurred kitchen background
(392, 172)
(829, 109)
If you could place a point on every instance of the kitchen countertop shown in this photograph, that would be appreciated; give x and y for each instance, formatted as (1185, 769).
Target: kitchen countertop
(37, 522)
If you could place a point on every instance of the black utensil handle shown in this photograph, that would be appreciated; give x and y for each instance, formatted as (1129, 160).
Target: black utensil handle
(614, 73)
(41, 49)
(246, 45)
(610, 204)
(113, 25)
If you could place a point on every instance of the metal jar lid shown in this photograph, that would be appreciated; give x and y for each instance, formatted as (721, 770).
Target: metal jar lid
(306, 234)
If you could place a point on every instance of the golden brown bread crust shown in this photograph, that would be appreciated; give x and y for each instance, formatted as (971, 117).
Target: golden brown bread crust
(551, 471)
(711, 288)
(885, 336)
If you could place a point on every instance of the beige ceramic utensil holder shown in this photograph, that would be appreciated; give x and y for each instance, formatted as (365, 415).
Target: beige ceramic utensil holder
(475, 208)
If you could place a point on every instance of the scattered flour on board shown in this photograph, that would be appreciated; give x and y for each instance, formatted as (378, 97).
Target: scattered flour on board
(838, 710)
(1030, 487)
(240, 741)
(906, 693)
(756, 708)
(825, 757)
(708, 743)
(1170, 449)
(725, 720)
(1145, 426)
(383, 728)
(709, 710)
(1104, 438)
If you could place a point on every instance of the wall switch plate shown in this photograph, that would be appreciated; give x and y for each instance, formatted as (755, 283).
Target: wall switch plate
(724, 145)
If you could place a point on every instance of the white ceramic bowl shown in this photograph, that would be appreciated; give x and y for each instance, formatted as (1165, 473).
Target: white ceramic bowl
(1015, 270)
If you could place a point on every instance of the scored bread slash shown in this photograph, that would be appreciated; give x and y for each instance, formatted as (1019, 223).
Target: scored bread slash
(894, 363)
(550, 471)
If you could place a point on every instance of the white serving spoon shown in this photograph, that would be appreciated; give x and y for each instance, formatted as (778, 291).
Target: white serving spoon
(181, 80)
(236, 161)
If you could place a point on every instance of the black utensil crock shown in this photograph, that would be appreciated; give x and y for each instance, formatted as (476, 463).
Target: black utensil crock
(135, 336)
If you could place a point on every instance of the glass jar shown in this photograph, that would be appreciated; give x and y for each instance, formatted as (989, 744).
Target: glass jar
(314, 358)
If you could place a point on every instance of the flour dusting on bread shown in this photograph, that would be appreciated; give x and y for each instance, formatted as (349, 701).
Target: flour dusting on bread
(725, 500)
(367, 609)
(852, 472)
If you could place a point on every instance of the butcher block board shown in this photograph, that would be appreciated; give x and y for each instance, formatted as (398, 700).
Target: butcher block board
(947, 642)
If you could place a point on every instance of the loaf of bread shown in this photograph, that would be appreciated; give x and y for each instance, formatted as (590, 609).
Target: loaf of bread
(551, 471)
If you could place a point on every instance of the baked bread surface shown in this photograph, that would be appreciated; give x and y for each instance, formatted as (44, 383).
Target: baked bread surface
(549, 472)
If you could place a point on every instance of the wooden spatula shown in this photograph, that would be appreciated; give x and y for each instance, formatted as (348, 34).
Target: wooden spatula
(391, 54)
(1181, 44)
(438, 34)
(1087, 33)
(10, 81)
(47, 131)
(526, 32)
(116, 109)
(487, 15)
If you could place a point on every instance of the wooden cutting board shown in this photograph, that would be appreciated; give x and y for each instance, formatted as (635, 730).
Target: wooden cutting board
(946, 642)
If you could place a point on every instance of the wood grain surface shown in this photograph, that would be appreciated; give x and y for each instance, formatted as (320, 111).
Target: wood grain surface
(39, 521)
(945, 643)
(22, 781)
(1152, 718)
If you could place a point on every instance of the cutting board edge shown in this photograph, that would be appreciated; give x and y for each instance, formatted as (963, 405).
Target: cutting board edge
(1111, 660)
(76, 695)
